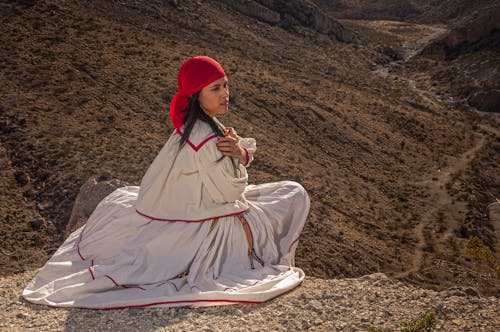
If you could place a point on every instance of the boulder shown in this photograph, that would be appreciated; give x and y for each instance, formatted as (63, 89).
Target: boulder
(486, 100)
(494, 217)
(91, 193)
(390, 52)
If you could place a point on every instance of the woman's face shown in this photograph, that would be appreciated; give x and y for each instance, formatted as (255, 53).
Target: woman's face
(214, 98)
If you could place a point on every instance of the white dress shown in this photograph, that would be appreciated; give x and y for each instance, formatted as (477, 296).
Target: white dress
(193, 234)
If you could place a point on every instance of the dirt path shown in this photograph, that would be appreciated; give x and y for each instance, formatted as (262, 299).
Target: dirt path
(438, 201)
(440, 205)
(411, 49)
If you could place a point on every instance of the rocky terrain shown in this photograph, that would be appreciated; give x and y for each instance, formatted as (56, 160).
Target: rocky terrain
(400, 175)
(369, 303)
(469, 51)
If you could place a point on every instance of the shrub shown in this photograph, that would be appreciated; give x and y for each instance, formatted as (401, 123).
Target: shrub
(477, 250)
(425, 323)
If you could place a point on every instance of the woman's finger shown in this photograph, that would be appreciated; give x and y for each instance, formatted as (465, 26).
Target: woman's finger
(226, 144)
(231, 132)
(227, 139)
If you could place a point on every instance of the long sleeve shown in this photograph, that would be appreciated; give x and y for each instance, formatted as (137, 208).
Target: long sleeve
(250, 146)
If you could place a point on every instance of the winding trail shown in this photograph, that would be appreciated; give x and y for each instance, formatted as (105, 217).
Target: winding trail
(440, 204)
(435, 183)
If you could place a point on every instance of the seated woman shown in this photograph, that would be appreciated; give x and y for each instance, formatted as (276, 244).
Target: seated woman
(194, 233)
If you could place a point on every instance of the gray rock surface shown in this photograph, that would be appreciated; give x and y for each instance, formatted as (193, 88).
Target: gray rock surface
(494, 217)
(255, 10)
(288, 13)
(317, 305)
(91, 193)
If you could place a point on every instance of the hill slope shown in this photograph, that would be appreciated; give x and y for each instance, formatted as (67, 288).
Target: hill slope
(86, 85)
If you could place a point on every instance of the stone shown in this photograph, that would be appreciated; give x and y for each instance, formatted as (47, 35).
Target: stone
(22, 178)
(494, 217)
(91, 193)
(390, 52)
(255, 10)
(474, 29)
(471, 291)
(37, 223)
(486, 100)
(290, 13)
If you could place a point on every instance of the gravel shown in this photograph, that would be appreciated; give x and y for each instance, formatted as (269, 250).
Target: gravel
(372, 301)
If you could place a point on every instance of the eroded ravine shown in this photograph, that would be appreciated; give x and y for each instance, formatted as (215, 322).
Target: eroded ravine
(439, 203)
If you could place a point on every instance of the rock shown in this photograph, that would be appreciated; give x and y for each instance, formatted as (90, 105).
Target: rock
(174, 3)
(318, 321)
(91, 193)
(486, 100)
(454, 291)
(37, 223)
(390, 52)
(255, 10)
(494, 217)
(475, 28)
(22, 178)
(374, 277)
(471, 291)
(44, 205)
(289, 13)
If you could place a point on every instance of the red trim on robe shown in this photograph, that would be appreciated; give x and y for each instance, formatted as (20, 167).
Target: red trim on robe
(247, 160)
(173, 284)
(200, 220)
(293, 242)
(196, 148)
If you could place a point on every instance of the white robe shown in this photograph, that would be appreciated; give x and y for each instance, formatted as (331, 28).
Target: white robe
(183, 238)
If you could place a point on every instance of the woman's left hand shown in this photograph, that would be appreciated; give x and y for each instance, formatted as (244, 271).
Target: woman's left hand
(229, 145)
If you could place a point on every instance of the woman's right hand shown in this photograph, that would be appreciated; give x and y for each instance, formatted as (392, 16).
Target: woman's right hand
(229, 145)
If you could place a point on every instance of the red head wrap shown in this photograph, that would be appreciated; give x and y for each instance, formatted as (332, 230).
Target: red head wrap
(194, 75)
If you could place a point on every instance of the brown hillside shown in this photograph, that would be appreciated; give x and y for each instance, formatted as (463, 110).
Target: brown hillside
(85, 89)
(421, 11)
(465, 63)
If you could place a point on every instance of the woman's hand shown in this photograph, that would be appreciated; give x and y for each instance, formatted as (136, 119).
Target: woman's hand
(229, 145)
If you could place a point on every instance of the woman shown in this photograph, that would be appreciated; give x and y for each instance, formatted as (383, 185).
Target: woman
(194, 233)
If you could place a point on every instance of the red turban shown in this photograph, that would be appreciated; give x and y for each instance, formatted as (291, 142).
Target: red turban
(194, 75)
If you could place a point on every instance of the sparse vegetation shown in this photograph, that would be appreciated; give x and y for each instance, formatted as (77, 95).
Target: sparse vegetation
(477, 250)
(425, 323)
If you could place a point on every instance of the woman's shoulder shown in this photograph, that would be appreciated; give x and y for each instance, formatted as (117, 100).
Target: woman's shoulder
(201, 134)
